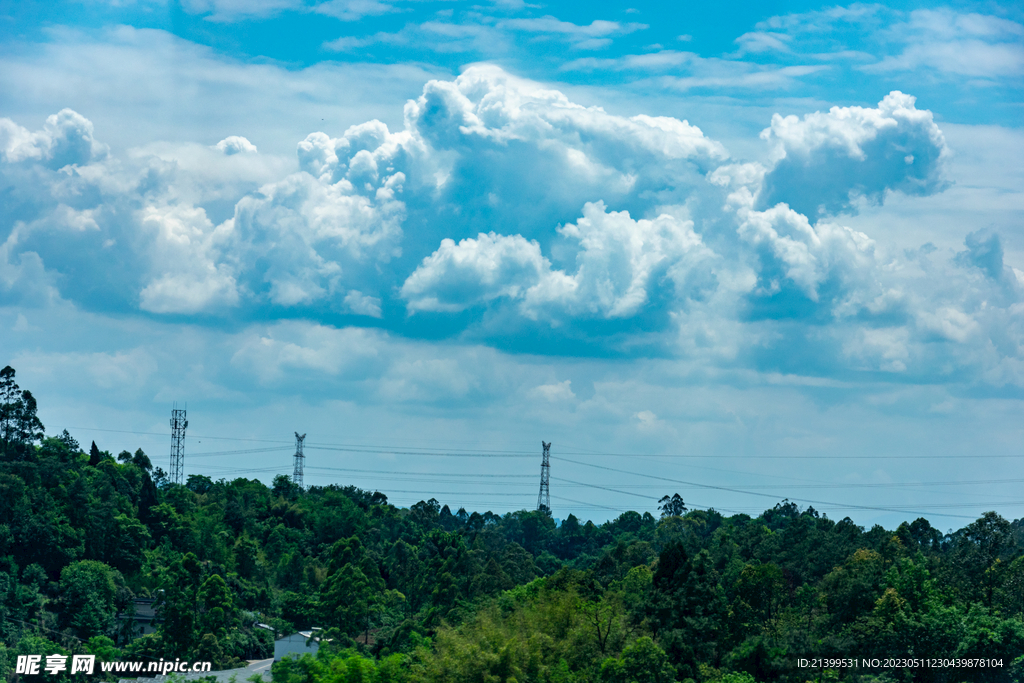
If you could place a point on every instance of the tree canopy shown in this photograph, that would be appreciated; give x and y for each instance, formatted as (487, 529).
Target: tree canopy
(424, 594)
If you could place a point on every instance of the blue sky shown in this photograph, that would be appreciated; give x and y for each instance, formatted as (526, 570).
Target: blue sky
(745, 253)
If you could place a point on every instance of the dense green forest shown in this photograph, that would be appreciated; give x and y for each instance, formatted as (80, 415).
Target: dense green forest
(427, 594)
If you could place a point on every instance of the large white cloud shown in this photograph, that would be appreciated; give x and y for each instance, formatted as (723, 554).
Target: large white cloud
(619, 261)
(109, 232)
(140, 233)
(492, 152)
(478, 270)
(192, 281)
(503, 200)
(825, 162)
(806, 255)
(294, 241)
(65, 139)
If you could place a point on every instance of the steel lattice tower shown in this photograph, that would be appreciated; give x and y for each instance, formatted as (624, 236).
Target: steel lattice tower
(178, 425)
(544, 497)
(299, 460)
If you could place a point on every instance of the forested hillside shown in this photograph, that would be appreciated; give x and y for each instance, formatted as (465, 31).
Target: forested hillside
(427, 594)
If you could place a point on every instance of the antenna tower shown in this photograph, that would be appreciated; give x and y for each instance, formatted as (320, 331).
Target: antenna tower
(178, 425)
(298, 460)
(544, 497)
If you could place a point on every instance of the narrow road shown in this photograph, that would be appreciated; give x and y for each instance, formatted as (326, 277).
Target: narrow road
(260, 666)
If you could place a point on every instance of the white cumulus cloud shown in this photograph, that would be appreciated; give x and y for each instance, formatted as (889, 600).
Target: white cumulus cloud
(514, 216)
(294, 240)
(824, 162)
(66, 138)
(191, 279)
(236, 144)
(618, 262)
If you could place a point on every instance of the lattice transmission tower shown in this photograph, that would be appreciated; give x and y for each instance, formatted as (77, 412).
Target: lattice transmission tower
(178, 425)
(299, 460)
(544, 497)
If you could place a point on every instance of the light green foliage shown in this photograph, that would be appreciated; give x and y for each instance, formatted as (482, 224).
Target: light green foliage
(761, 593)
(342, 667)
(533, 633)
(104, 649)
(641, 662)
(88, 590)
(736, 677)
(636, 591)
(216, 605)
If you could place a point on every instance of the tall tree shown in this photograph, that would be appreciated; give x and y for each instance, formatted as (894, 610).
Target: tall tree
(94, 455)
(19, 424)
(217, 607)
(672, 506)
(29, 428)
(10, 396)
(354, 589)
(88, 590)
(142, 460)
(178, 605)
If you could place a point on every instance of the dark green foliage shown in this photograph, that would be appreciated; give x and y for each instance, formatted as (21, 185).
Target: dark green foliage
(178, 605)
(672, 506)
(20, 428)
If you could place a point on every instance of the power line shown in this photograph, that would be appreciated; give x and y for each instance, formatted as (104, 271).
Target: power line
(822, 504)
(508, 454)
(751, 493)
(829, 456)
(449, 454)
(419, 450)
(591, 505)
(605, 488)
(450, 493)
(244, 451)
(194, 436)
(392, 475)
(422, 474)
(224, 469)
(456, 452)
(987, 482)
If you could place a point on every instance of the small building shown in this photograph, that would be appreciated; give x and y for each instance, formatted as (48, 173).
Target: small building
(141, 618)
(296, 644)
